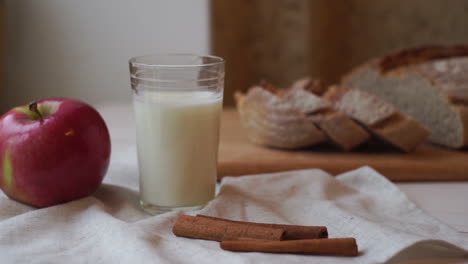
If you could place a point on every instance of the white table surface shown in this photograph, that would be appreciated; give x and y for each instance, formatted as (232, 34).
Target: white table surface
(447, 201)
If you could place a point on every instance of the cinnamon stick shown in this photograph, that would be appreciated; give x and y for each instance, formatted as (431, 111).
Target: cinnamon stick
(324, 246)
(210, 229)
(291, 232)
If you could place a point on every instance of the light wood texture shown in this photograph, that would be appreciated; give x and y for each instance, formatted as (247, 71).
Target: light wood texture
(238, 156)
(260, 39)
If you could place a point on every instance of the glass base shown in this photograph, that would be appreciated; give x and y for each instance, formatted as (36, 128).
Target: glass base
(156, 209)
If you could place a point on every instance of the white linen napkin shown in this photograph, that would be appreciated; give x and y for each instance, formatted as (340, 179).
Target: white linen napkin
(109, 227)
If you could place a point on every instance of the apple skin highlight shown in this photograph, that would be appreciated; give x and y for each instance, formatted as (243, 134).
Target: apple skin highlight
(59, 156)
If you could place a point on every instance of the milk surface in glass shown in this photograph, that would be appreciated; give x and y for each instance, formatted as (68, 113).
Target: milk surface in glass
(177, 141)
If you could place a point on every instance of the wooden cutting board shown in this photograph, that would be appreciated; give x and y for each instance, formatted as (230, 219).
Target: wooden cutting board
(238, 156)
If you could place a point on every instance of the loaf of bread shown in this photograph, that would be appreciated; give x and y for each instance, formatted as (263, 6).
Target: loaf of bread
(428, 83)
(379, 117)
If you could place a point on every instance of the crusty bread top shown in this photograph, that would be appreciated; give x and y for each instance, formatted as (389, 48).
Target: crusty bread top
(413, 56)
(362, 106)
(298, 99)
(304, 101)
(314, 86)
(445, 66)
(295, 97)
(262, 95)
(273, 123)
(451, 75)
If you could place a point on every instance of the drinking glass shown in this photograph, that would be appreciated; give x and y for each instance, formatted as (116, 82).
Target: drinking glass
(177, 101)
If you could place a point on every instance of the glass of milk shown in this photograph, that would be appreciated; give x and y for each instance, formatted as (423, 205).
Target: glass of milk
(177, 102)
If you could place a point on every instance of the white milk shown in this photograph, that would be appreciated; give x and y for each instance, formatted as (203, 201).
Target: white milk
(177, 139)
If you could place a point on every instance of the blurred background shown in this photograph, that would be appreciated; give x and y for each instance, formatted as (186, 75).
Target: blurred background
(80, 48)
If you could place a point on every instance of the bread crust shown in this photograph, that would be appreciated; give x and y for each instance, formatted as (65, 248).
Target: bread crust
(398, 61)
(271, 125)
(387, 123)
(402, 131)
(340, 129)
(449, 75)
(362, 106)
(432, 63)
(418, 55)
(314, 86)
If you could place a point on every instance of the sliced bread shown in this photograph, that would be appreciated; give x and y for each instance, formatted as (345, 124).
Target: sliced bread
(341, 129)
(269, 122)
(427, 83)
(265, 109)
(379, 117)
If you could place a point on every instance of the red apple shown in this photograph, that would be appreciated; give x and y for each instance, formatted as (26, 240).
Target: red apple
(52, 151)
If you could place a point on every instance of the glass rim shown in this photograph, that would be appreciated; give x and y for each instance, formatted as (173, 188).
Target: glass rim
(134, 61)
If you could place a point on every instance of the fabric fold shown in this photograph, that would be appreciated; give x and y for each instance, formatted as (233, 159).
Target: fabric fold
(109, 227)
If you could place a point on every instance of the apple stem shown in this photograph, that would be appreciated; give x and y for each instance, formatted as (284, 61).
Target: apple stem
(33, 107)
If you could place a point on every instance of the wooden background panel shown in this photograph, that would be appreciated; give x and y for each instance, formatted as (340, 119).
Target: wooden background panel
(3, 41)
(343, 34)
(260, 39)
(283, 40)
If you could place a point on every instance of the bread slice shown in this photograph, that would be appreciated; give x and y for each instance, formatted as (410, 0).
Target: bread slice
(379, 117)
(303, 100)
(428, 83)
(340, 129)
(271, 123)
